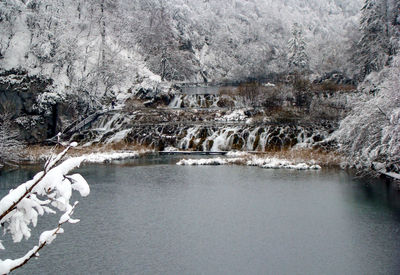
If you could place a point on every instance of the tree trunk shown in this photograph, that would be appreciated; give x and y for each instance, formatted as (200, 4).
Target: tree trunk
(102, 33)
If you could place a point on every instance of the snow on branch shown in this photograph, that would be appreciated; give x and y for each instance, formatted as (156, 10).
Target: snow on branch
(370, 134)
(48, 191)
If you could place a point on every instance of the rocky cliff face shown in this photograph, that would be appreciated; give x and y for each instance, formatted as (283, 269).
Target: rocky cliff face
(19, 94)
(36, 111)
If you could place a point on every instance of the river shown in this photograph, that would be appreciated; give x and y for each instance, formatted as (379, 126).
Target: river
(150, 216)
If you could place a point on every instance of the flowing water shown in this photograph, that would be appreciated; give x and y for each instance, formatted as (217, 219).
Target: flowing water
(150, 216)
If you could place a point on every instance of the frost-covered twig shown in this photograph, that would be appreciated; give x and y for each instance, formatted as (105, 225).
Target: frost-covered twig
(47, 237)
(8, 203)
(22, 206)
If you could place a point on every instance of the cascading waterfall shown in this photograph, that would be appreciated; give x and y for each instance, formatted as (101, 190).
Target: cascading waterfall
(222, 140)
(191, 134)
(115, 127)
(108, 129)
(196, 101)
(176, 102)
(249, 138)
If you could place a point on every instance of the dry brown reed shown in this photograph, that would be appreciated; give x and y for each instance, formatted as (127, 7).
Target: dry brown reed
(321, 157)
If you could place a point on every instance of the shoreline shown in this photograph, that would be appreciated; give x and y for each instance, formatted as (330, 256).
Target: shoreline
(108, 153)
(300, 158)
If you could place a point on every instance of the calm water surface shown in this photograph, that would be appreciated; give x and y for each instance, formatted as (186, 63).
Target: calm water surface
(200, 90)
(153, 217)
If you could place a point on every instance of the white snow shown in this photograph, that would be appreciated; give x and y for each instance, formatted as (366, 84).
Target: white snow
(269, 84)
(234, 154)
(48, 236)
(392, 175)
(79, 184)
(210, 161)
(263, 162)
(21, 207)
(171, 149)
(275, 163)
(237, 115)
(109, 156)
(19, 45)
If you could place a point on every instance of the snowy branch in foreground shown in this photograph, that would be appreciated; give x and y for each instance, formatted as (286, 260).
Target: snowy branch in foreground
(48, 191)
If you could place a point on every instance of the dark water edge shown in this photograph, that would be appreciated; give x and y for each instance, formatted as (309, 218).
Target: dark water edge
(149, 216)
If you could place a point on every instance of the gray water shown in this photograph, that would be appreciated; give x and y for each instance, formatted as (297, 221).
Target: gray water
(200, 90)
(153, 217)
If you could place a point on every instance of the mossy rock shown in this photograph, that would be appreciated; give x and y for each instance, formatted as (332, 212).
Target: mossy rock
(225, 103)
(182, 134)
(237, 143)
(191, 144)
(260, 131)
(203, 134)
(210, 144)
(275, 141)
(199, 146)
(317, 138)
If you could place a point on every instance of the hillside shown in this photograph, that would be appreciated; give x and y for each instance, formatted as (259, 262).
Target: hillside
(101, 46)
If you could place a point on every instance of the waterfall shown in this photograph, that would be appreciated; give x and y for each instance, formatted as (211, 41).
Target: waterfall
(141, 129)
(222, 140)
(176, 102)
(251, 139)
(199, 101)
(184, 143)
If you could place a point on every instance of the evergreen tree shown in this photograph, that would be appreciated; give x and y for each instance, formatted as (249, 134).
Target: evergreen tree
(373, 49)
(298, 58)
(395, 28)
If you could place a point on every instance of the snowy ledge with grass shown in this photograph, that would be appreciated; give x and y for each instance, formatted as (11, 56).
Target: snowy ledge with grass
(250, 160)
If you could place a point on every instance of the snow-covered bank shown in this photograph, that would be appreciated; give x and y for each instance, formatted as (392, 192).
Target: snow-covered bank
(109, 156)
(209, 161)
(275, 163)
(263, 162)
(105, 155)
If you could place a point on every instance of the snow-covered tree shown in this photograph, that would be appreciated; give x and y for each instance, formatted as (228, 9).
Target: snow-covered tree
(298, 57)
(370, 134)
(8, 16)
(76, 42)
(373, 50)
(395, 28)
(48, 191)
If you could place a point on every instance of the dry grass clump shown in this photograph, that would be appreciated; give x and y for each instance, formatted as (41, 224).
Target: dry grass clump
(37, 153)
(227, 90)
(132, 105)
(321, 157)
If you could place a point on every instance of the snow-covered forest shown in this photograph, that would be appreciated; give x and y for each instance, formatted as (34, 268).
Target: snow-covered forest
(99, 45)
(370, 133)
(101, 49)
